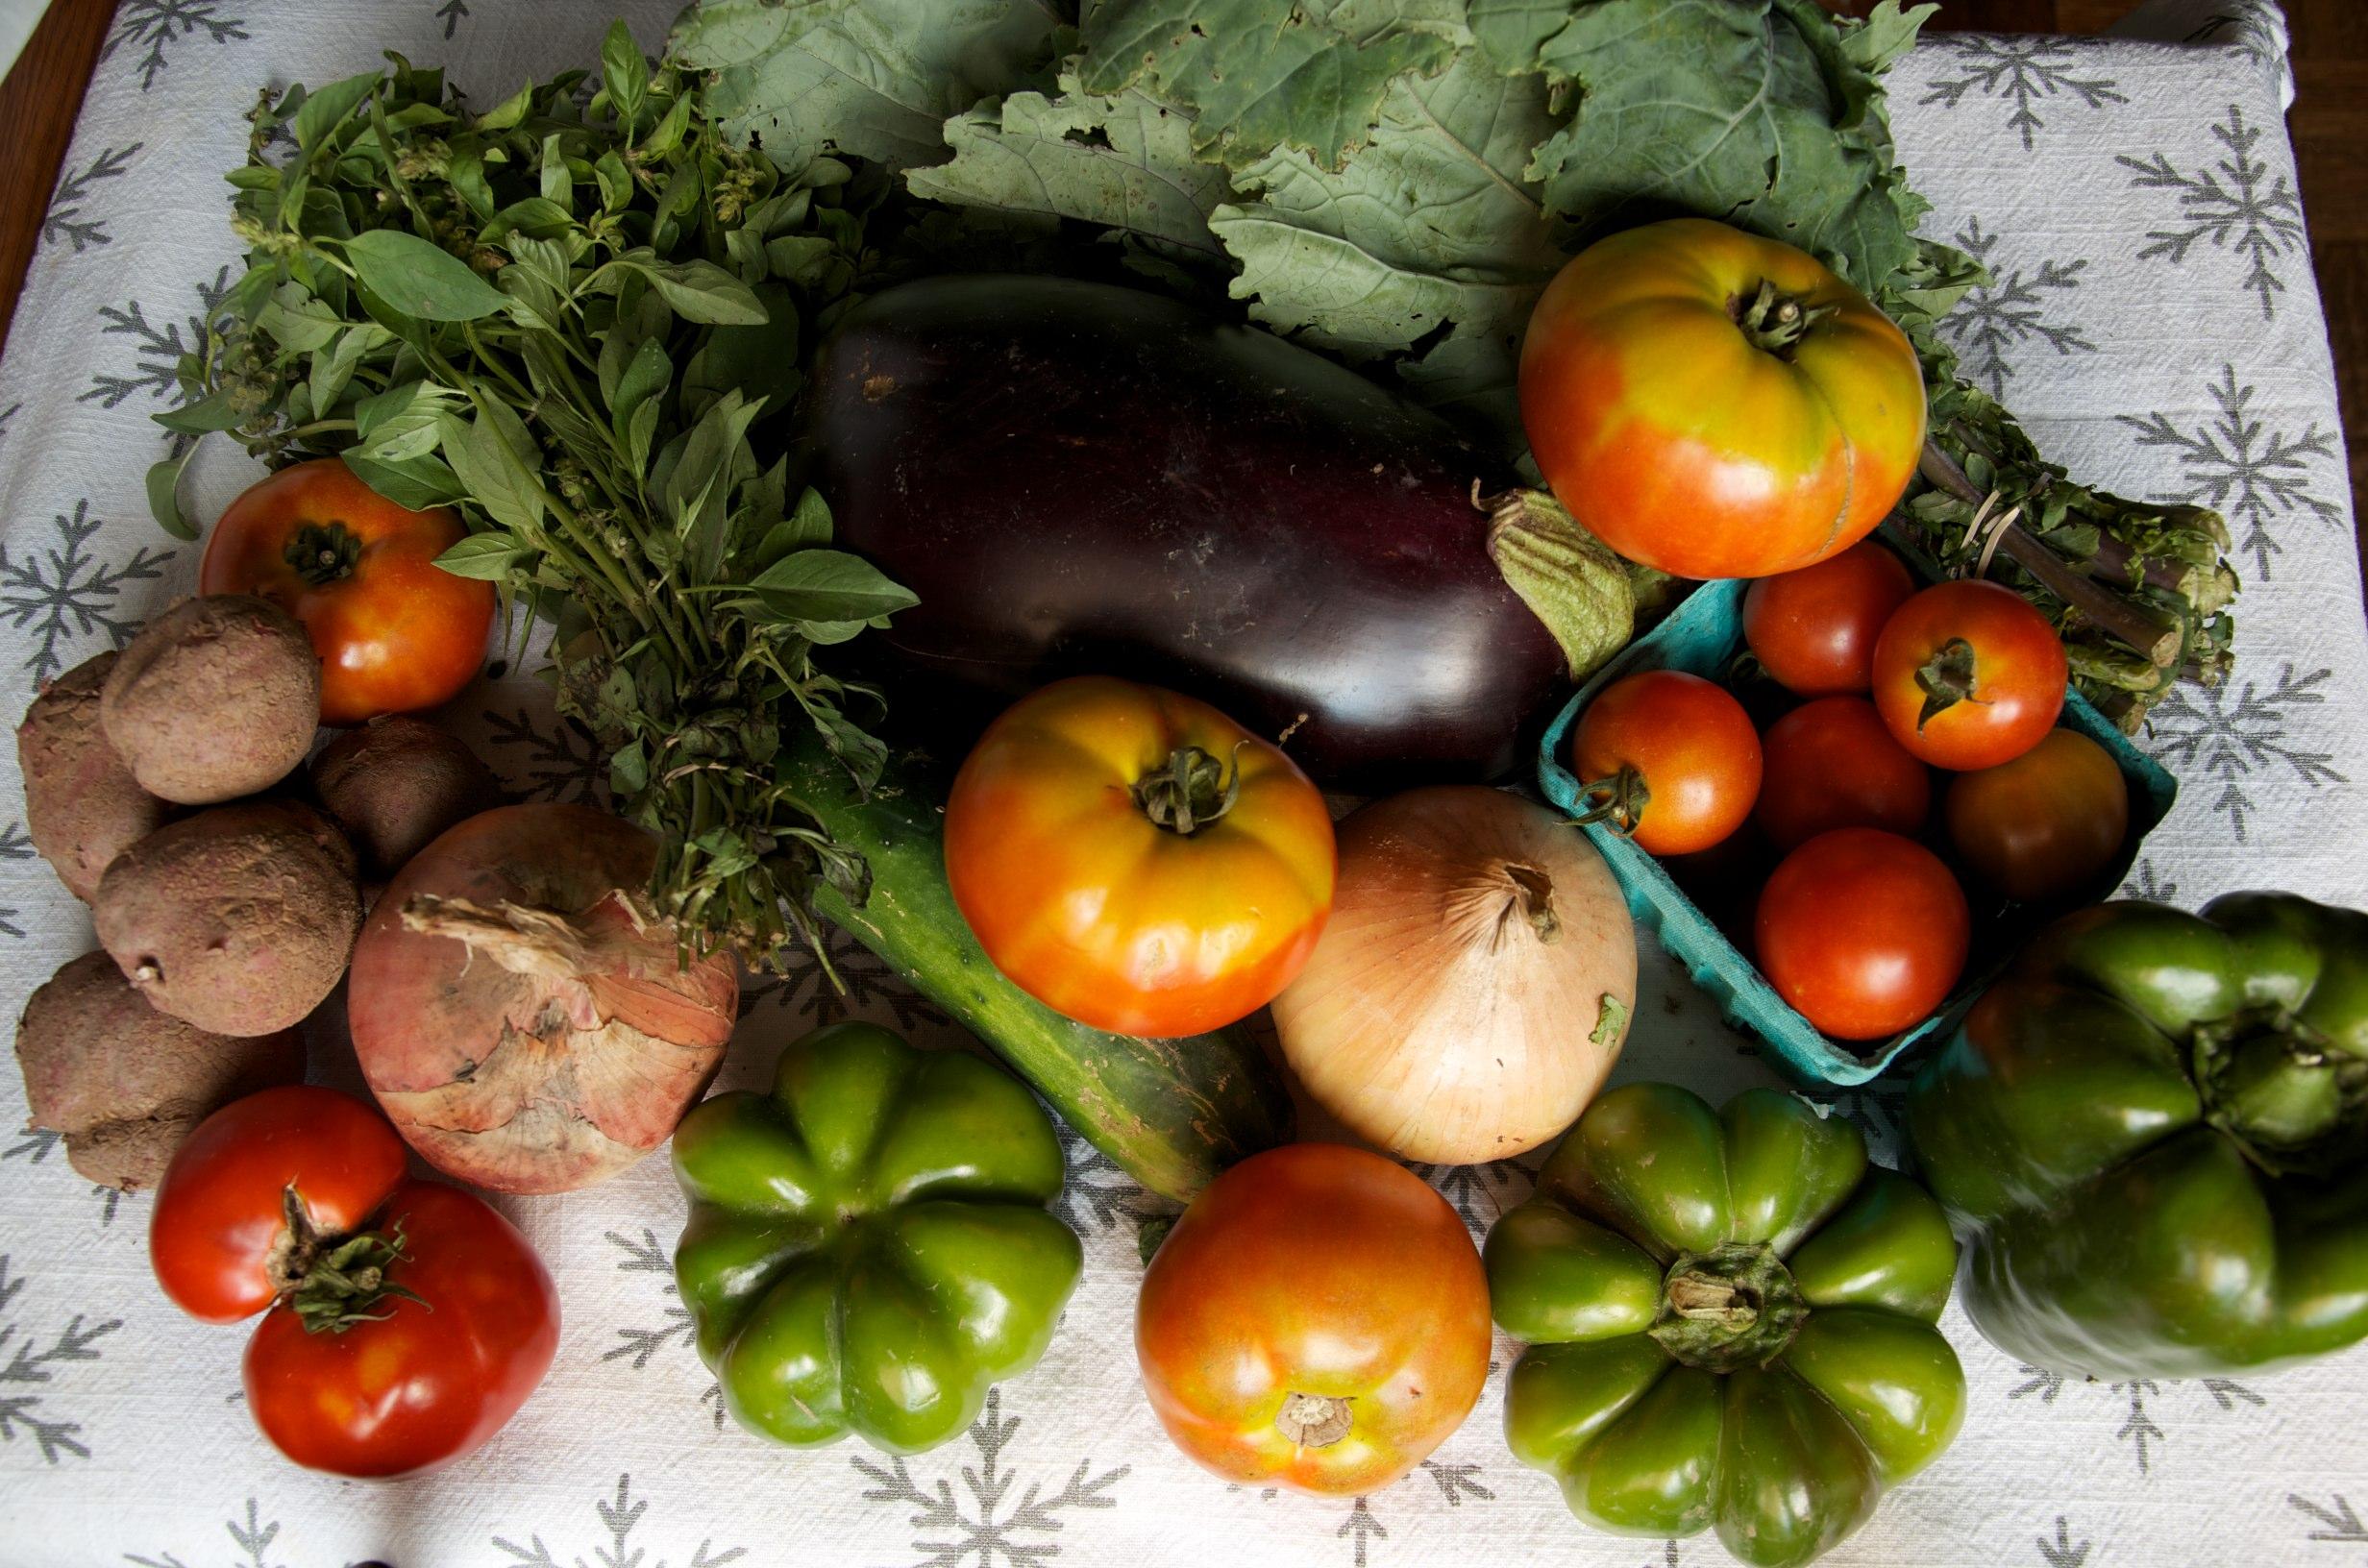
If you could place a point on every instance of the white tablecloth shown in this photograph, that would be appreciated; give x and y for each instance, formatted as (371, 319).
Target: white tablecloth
(2154, 318)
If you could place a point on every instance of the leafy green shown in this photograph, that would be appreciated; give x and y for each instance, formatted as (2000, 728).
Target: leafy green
(873, 77)
(583, 327)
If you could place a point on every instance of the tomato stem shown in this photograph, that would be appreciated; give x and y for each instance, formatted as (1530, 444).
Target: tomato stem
(322, 553)
(1192, 791)
(1776, 322)
(1314, 1420)
(332, 1282)
(1618, 801)
(1946, 679)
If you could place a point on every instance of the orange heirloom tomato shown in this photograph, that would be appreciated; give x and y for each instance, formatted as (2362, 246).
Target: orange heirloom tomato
(395, 631)
(1317, 1319)
(1136, 860)
(1718, 405)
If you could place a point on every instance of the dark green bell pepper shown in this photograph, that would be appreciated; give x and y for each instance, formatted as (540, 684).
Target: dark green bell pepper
(869, 1249)
(2152, 1134)
(1731, 1322)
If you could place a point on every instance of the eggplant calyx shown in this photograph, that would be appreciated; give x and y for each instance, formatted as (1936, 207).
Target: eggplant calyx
(1192, 790)
(1732, 1307)
(333, 1282)
(1946, 679)
(323, 554)
(1570, 580)
(1775, 322)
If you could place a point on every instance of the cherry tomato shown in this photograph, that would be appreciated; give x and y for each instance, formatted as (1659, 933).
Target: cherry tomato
(1969, 675)
(1863, 931)
(1814, 630)
(404, 1321)
(1668, 757)
(2043, 827)
(1718, 404)
(1317, 1319)
(1136, 860)
(395, 631)
(1831, 764)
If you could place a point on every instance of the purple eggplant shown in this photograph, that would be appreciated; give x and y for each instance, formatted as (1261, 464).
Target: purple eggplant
(1078, 476)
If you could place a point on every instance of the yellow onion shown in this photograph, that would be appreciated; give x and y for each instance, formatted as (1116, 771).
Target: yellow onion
(1475, 983)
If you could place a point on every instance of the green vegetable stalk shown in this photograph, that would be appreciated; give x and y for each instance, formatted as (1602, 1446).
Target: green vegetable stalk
(581, 325)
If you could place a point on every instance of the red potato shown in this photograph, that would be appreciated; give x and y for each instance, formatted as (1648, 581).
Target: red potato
(83, 807)
(525, 1024)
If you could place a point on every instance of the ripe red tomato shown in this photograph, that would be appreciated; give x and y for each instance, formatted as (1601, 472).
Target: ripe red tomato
(1670, 758)
(1136, 860)
(1814, 630)
(2043, 827)
(1831, 764)
(1969, 675)
(1718, 404)
(1317, 1319)
(383, 1351)
(1863, 931)
(395, 631)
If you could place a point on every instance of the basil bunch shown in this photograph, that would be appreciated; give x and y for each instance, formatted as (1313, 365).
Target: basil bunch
(580, 322)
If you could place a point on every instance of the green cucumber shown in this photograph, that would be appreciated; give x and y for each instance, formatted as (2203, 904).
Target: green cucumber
(1171, 1112)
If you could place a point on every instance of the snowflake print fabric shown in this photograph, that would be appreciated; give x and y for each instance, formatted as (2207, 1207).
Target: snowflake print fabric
(2149, 313)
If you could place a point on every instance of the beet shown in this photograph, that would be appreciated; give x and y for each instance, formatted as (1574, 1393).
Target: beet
(1082, 478)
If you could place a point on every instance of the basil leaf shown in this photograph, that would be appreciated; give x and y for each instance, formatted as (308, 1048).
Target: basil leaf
(330, 107)
(702, 291)
(645, 376)
(297, 320)
(533, 216)
(420, 278)
(827, 586)
(625, 75)
(164, 495)
(401, 423)
(491, 472)
(333, 370)
(215, 411)
(415, 482)
(509, 111)
(488, 558)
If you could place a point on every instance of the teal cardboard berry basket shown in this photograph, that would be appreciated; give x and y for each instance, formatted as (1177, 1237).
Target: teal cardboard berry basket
(1702, 637)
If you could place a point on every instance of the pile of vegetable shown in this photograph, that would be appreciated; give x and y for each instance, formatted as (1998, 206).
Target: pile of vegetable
(1178, 410)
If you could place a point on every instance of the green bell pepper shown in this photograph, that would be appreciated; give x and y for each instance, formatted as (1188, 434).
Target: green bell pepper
(1731, 1322)
(868, 1248)
(2152, 1134)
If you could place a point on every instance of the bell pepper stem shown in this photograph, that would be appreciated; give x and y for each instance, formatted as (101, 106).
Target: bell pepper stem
(1732, 1307)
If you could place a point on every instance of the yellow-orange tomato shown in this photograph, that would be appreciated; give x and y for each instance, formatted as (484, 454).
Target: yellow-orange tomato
(1317, 1319)
(2043, 825)
(395, 632)
(1134, 859)
(1700, 424)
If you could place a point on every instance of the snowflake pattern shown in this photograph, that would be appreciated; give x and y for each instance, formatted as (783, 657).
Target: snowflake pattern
(2138, 1429)
(2150, 884)
(559, 761)
(1097, 1191)
(55, 593)
(2336, 1520)
(253, 1539)
(2062, 1552)
(2010, 310)
(2235, 203)
(865, 981)
(451, 13)
(156, 368)
(159, 24)
(2020, 71)
(2248, 29)
(68, 220)
(28, 1381)
(2206, 732)
(15, 843)
(976, 1529)
(38, 1143)
(620, 1516)
(2241, 467)
(1456, 1482)
(8, 417)
(1480, 1193)
(675, 1325)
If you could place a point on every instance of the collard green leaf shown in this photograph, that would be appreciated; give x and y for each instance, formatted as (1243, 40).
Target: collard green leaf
(874, 77)
(1260, 78)
(1121, 160)
(420, 278)
(1340, 260)
(827, 586)
(1743, 110)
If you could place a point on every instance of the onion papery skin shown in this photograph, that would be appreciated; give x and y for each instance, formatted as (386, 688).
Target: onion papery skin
(1433, 1019)
(525, 1024)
